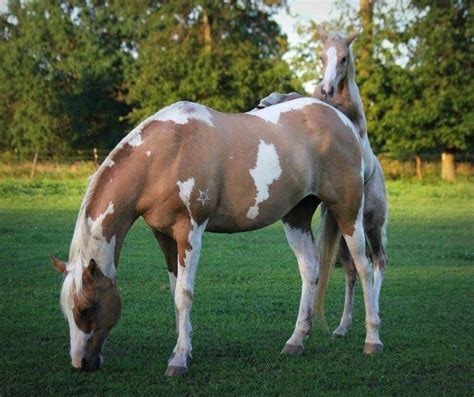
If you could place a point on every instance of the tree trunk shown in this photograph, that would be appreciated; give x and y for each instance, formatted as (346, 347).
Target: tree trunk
(364, 44)
(419, 167)
(448, 165)
(207, 32)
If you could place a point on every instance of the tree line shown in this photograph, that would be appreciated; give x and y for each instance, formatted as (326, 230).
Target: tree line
(78, 74)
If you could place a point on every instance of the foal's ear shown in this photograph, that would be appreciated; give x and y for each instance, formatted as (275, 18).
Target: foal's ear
(352, 36)
(58, 264)
(322, 33)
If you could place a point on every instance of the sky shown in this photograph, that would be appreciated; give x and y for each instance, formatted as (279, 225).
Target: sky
(304, 11)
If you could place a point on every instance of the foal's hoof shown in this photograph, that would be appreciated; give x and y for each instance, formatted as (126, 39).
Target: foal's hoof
(337, 335)
(175, 371)
(371, 348)
(292, 350)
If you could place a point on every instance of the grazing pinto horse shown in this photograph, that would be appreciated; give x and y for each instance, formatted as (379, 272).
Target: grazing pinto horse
(339, 89)
(189, 169)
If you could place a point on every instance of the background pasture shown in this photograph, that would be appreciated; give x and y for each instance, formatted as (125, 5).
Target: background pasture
(246, 300)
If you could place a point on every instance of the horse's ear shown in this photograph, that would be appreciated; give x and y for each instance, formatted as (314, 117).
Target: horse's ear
(322, 34)
(92, 270)
(58, 264)
(352, 36)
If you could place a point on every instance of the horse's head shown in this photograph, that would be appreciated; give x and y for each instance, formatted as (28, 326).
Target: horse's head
(335, 56)
(91, 302)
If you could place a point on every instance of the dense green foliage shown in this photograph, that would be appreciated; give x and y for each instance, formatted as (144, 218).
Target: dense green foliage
(75, 73)
(414, 65)
(78, 74)
(245, 306)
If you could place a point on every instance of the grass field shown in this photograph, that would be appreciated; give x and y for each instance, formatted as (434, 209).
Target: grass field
(245, 306)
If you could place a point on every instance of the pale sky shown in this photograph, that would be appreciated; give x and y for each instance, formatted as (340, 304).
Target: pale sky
(305, 11)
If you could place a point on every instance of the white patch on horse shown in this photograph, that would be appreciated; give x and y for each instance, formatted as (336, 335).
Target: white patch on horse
(330, 72)
(266, 171)
(108, 163)
(203, 196)
(78, 341)
(272, 114)
(102, 251)
(185, 190)
(181, 112)
(148, 153)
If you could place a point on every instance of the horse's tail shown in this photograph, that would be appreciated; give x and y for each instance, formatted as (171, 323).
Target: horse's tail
(328, 241)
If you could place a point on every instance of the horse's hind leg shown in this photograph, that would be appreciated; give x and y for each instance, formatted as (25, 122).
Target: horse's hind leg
(351, 276)
(356, 244)
(170, 251)
(297, 224)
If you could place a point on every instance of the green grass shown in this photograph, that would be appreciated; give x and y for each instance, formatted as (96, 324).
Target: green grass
(245, 306)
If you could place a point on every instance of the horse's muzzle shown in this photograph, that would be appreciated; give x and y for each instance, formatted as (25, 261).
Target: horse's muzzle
(92, 364)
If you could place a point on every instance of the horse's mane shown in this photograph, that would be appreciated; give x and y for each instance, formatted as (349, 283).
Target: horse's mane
(78, 251)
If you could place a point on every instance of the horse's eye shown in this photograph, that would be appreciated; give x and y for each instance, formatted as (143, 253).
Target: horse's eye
(343, 59)
(87, 312)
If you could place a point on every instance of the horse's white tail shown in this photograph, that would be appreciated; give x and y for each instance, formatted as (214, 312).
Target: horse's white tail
(328, 242)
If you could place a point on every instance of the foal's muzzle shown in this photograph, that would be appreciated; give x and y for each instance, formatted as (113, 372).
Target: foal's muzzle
(92, 364)
(329, 92)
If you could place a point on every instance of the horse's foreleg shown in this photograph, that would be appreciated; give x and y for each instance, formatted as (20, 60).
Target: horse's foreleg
(302, 243)
(189, 247)
(356, 245)
(170, 251)
(351, 276)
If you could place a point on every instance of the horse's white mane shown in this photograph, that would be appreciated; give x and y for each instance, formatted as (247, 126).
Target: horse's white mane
(78, 259)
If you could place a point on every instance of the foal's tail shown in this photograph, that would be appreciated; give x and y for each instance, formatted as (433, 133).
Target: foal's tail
(328, 241)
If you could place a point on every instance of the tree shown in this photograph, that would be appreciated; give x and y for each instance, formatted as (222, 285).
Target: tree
(62, 75)
(442, 64)
(224, 56)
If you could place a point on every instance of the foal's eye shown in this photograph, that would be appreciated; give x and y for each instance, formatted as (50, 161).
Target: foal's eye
(343, 59)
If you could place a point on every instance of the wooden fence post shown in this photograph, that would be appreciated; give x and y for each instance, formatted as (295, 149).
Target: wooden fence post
(33, 168)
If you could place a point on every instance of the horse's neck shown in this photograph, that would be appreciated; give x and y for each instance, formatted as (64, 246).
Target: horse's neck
(103, 222)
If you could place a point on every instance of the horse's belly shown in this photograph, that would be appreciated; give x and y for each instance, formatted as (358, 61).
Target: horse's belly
(245, 212)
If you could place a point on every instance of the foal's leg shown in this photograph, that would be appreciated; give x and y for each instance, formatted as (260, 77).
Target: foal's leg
(351, 276)
(170, 251)
(356, 245)
(377, 242)
(188, 239)
(297, 226)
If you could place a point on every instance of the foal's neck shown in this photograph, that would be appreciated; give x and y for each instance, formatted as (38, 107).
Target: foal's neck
(348, 99)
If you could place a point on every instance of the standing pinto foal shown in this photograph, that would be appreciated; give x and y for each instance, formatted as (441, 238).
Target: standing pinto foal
(189, 169)
(340, 90)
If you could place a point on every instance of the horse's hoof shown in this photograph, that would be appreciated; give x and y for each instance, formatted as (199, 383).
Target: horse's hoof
(337, 335)
(371, 348)
(292, 350)
(175, 371)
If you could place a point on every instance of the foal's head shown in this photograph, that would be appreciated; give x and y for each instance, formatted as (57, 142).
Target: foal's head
(91, 302)
(336, 56)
